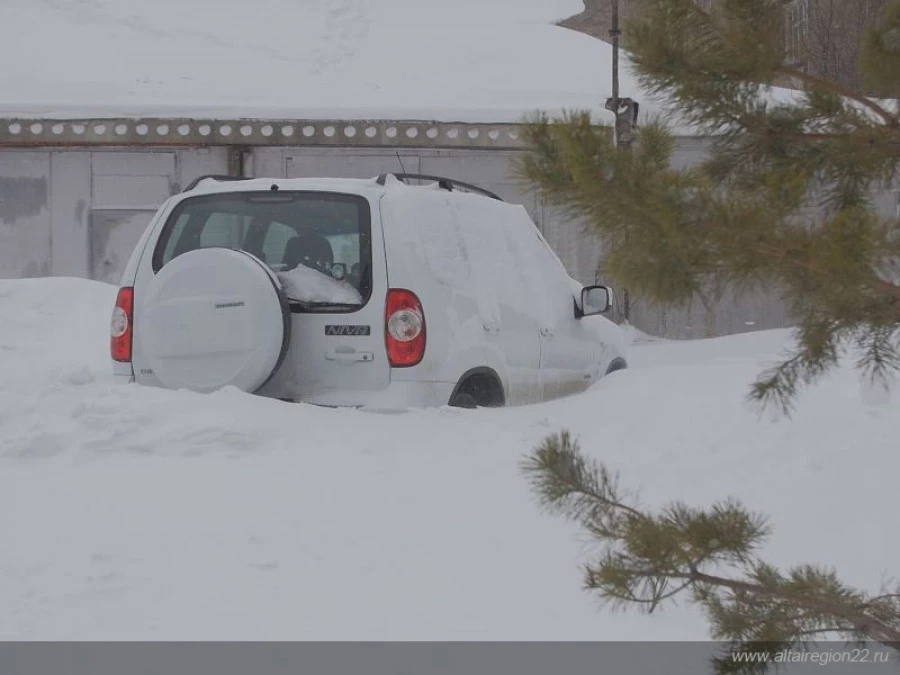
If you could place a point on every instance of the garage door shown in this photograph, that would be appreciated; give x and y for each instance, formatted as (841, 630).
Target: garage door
(25, 214)
(127, 189)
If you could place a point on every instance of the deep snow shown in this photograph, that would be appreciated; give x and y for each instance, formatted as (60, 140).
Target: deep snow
(133, 513)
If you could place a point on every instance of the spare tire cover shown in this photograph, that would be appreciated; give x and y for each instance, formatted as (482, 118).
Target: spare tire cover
(214, 317)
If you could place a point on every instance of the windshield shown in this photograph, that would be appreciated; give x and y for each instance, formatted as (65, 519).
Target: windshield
(319, 244)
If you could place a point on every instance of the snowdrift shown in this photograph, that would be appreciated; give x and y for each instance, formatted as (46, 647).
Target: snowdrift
(133, 513)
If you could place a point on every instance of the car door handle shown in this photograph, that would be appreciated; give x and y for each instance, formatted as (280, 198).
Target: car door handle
(349, 356)
(547, 332)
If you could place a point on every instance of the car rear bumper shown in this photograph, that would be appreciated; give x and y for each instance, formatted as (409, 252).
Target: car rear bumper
(396, 397)
(122, 372)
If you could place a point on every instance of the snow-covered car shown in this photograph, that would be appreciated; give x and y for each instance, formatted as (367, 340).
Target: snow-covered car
(370, 293)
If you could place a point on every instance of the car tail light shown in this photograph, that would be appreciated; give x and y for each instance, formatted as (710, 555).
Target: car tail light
(404, 328)
(121, 326)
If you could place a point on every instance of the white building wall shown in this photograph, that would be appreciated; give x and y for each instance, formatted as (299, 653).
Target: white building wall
(79, 212)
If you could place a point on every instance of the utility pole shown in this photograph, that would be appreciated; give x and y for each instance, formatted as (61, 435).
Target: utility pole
(614, 33)
(625, 109)
(626, 112)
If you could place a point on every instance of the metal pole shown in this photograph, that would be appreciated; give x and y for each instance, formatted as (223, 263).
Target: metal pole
(614, 33)
(615, 105)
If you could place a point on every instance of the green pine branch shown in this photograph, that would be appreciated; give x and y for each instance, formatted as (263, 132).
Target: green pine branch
(784, 200)
(709, 557)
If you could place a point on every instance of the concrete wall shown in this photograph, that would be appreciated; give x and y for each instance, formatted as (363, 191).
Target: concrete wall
(79, 211)
(66, 212)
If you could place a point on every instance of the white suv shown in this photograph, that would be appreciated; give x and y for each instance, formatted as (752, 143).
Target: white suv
(368, 293)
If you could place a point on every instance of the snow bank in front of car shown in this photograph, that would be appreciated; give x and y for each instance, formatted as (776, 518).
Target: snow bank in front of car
(53, 330)
(308, 285)
(125, 510)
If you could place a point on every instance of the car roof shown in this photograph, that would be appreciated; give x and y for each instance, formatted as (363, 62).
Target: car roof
(352, 185)
(374, 186)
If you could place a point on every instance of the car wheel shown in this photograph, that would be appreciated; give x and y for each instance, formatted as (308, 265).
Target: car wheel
(463, 399)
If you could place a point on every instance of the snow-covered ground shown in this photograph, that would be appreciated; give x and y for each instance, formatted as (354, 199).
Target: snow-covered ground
(133, 513)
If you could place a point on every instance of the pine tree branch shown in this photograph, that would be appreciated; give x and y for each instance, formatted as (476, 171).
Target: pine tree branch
(888, 289)
(890, 119)
(808, 264)
(820, 138)
(653, 602)
(614, 505)
(820, 631)
(883, 634)
(785, 70)
(561, 475)
(651, 559)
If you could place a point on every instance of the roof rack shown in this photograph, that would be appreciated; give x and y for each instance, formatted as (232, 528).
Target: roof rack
(194, 183)
(449, 184)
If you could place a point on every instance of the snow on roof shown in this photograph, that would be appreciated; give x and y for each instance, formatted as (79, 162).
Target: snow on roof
(469, 61)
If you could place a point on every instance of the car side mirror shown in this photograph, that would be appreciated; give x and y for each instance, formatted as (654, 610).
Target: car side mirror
(595, 300)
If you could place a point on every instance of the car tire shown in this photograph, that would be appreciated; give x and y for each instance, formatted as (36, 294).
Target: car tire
(616, 365)
(463, 399)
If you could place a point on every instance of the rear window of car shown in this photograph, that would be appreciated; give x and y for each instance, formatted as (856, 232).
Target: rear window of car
(327, 232)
